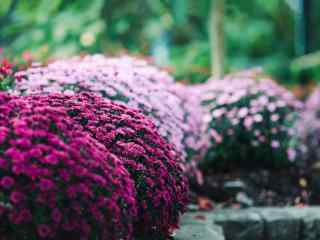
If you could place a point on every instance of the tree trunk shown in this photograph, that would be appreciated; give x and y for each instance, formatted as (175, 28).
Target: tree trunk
(216, 37)
(304, 36)
(307, 9)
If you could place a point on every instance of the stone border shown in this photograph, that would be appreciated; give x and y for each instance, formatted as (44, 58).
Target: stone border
(252, 224)
(198, 226)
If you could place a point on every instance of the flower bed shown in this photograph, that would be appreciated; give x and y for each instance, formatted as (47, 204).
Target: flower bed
(129, 81)
(56, 181)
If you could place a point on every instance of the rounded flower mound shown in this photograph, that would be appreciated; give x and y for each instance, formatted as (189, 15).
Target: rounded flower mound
(56, 181)
(153, 165)
(124, 80)
(309, 126)
(250, 122)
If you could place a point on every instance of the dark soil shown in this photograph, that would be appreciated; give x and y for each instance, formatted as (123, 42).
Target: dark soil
(291, 187)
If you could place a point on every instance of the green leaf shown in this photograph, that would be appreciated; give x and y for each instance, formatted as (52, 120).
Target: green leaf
(180, 11)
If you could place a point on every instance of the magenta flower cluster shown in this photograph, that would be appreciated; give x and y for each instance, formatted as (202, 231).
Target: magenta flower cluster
(309, 127)
(56, 181)
(126, 80)
(152, 163)
(251, 121)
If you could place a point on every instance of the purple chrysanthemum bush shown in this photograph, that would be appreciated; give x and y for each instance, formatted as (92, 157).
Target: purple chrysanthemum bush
(250, 122)
(309, 127)
(85, 167)
(56, 181)
(133, 82)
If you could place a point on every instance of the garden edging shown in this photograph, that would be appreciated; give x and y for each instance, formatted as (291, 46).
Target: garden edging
(254, 223)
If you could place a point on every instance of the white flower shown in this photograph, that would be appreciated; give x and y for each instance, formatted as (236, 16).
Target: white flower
(257, 118)
(243, 112)
(275, 144)
(272, 107)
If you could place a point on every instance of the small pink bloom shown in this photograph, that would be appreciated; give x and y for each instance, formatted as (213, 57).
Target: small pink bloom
(216, 136)
(280, 103)
(291, 154)
(15, 155)
(3, 163)
(243, 112)
(25, 216)
(248, 121)
(43, 230)
(263, 100)
(275, 144)
(275, 117)
(272, 107)
(257, 118)
(230, 131)
(46, 184)
(7, 182)
(56, 215)
(262, 138)
(3, 134)
(17, 197)
(234, 121)
(257, 133)
(218, 113)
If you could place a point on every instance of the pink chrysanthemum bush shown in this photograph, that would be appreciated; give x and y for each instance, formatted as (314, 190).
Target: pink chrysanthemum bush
(56, 181)
(152, 163)
(125, 80)
(309, 127)
(250, 122)
(195, 138)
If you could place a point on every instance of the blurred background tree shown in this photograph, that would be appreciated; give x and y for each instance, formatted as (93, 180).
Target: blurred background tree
(176, 33)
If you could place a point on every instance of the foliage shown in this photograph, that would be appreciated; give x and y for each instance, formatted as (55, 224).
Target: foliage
(174, 32)
(55, 28)
(251, 121)
(56, 181)
(131, 137)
